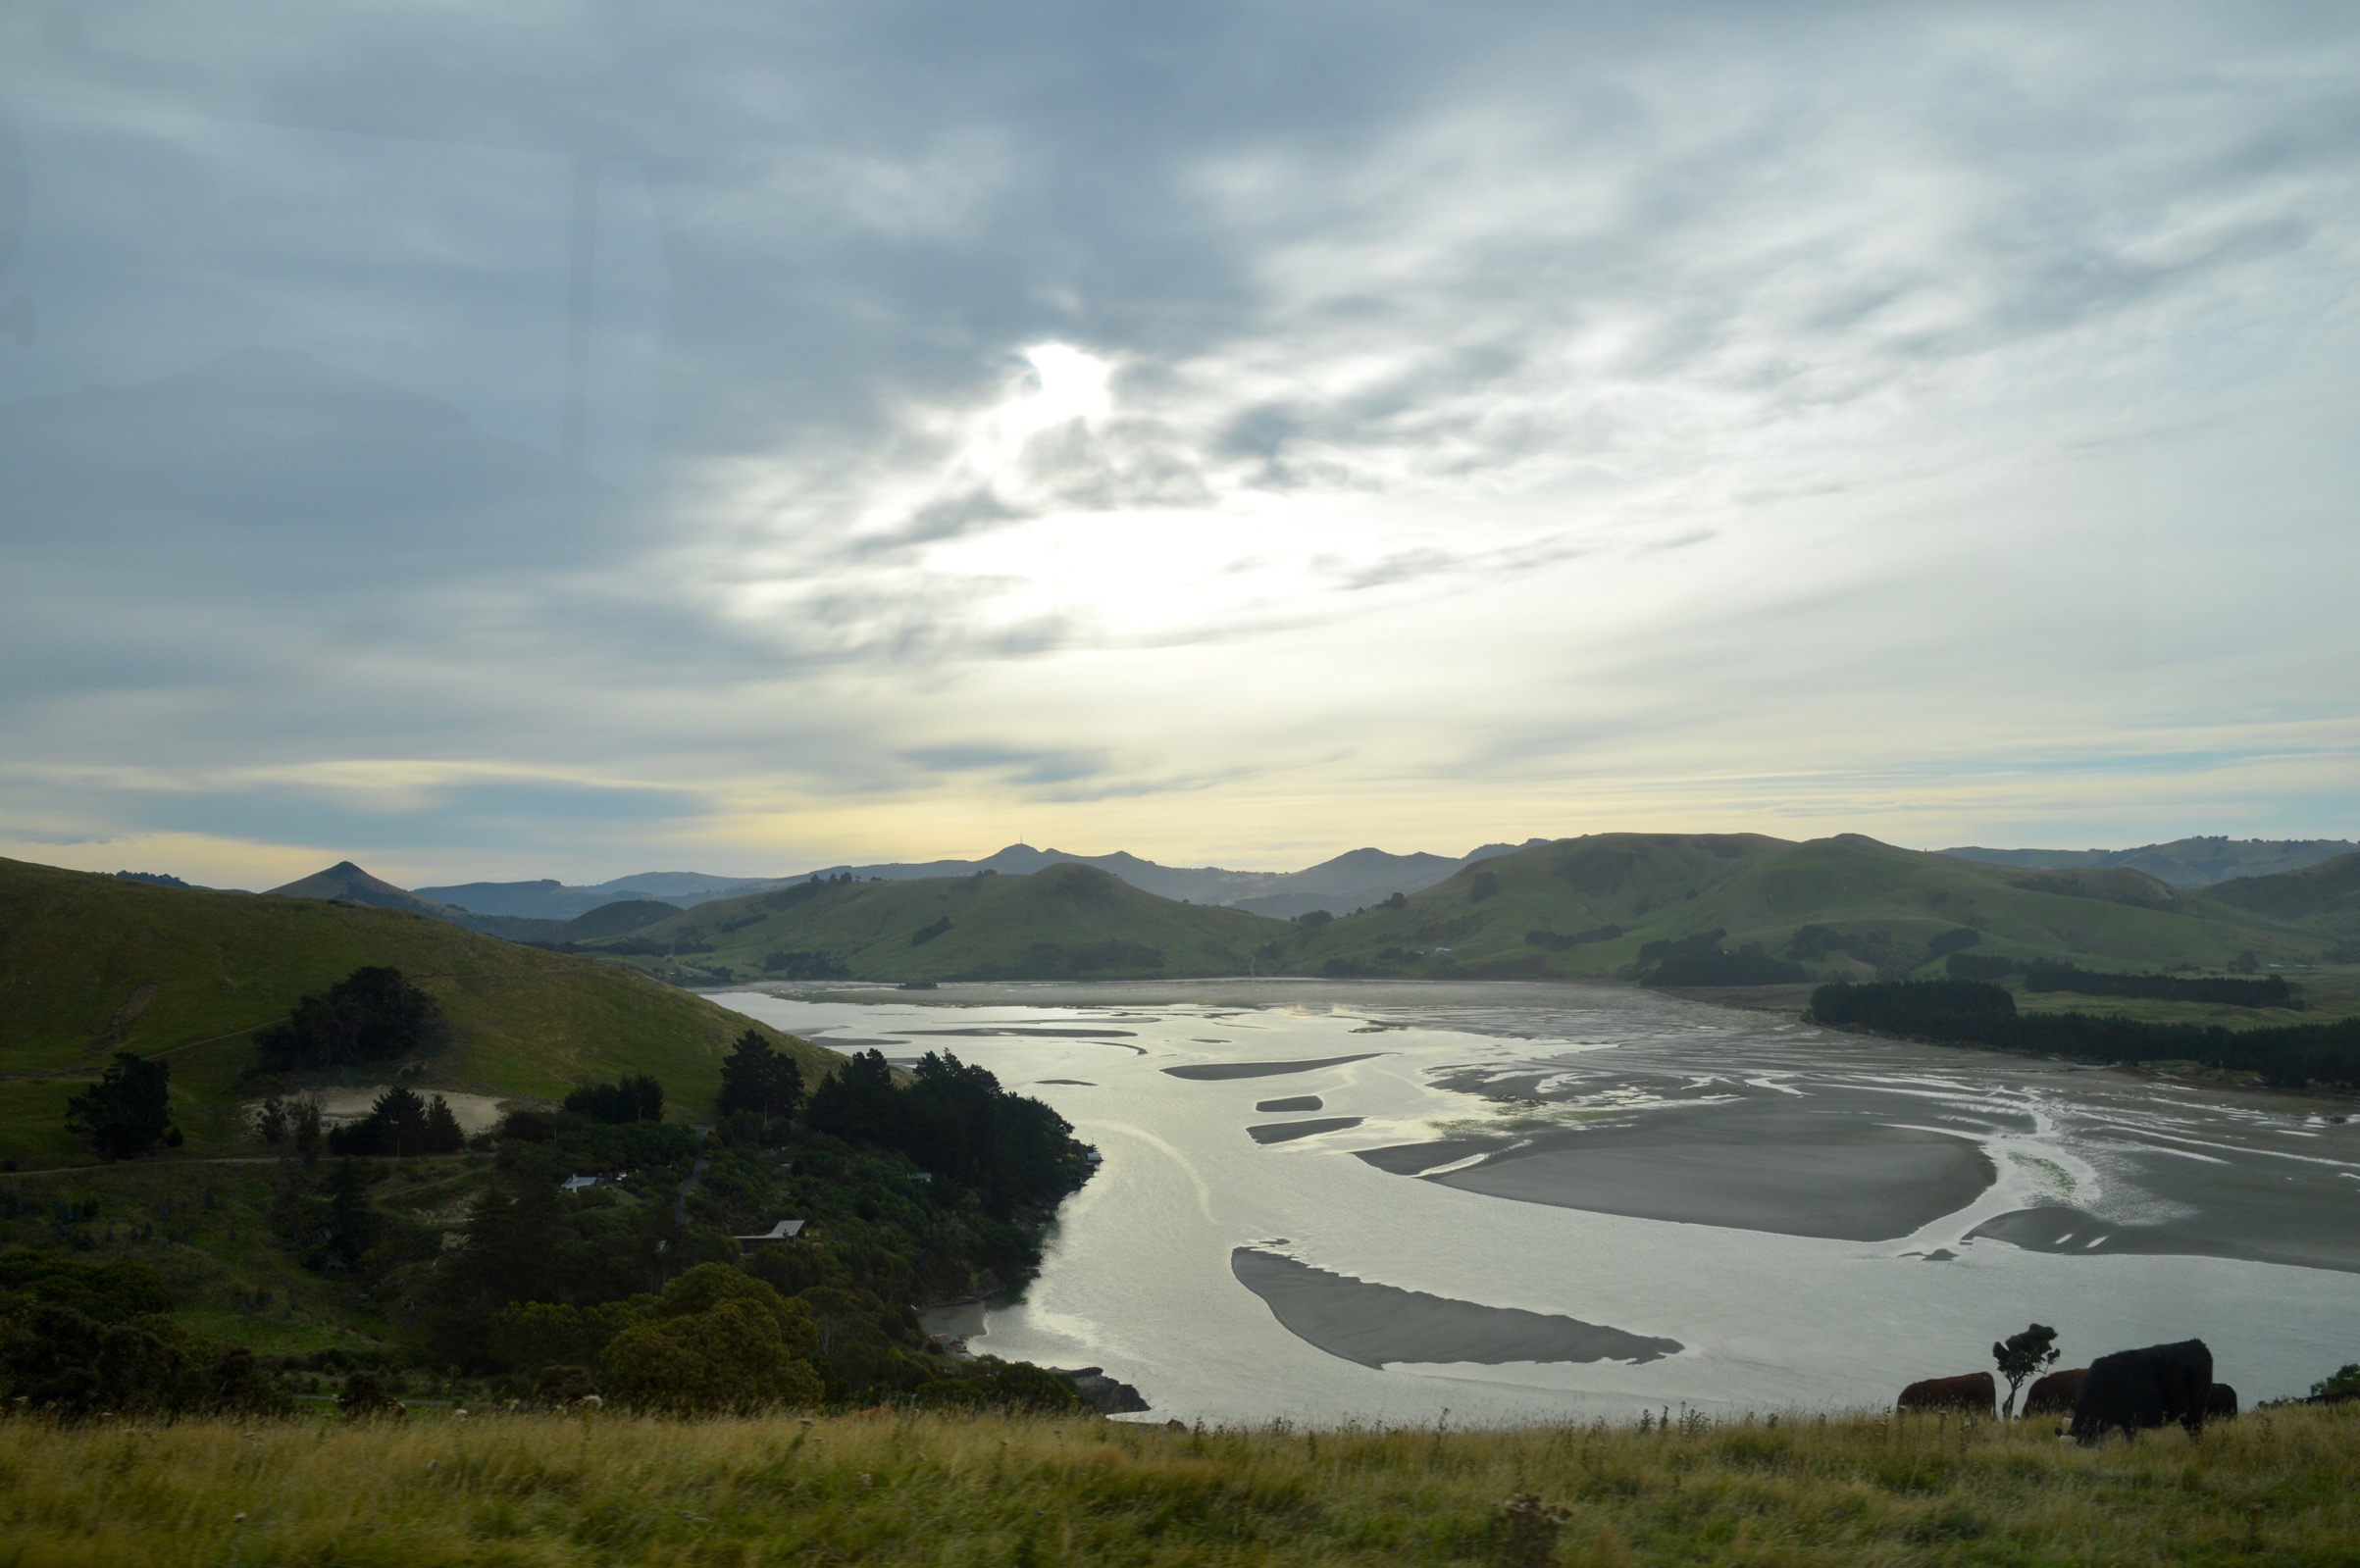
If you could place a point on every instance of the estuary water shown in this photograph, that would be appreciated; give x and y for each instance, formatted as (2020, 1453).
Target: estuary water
(1409, 1202)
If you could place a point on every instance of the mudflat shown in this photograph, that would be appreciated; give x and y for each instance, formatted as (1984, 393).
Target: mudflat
(1377, 1324)
(1222, 1072)
(1289, 1131)
(1759, 1167)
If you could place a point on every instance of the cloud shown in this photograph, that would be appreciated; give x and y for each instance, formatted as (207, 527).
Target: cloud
(1257, 423)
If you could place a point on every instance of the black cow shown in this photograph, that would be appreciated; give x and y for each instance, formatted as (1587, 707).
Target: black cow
(2131, 1391)
(2223, 1405)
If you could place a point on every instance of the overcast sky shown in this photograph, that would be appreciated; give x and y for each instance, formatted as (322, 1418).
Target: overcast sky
(555, 440)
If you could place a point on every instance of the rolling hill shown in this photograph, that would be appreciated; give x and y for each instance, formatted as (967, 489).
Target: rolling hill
(2183, 862)
(1066, 922)
(2325, 895)
(1584, 908)
(89, 964)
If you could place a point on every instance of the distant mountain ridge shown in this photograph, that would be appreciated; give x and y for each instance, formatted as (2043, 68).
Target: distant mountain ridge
(1348, 882)
(1610, 906)
(2183, 862)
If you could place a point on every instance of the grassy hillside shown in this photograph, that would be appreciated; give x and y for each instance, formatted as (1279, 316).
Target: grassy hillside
(89, 964)
(2325, 895)
(2275, 1487)
(1064, 922)
(1885, 909)
(2183, 862)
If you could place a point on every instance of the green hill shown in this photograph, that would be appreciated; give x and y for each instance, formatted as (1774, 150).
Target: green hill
(1585, 908)
(1066, 922)
(2326, 895)
(2183, 862)
(90, 964)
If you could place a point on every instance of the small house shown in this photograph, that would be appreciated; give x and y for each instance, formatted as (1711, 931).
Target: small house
(784, 1231)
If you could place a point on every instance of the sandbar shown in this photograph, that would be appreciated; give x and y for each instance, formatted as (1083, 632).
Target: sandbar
(1217, 1072)
(1289, 1131)
(2242, 1226)
(1756, 1166)
(1378, 1324)
(1030, 1031)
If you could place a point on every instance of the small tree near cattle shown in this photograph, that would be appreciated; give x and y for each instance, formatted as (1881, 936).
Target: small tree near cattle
(2023, 1356)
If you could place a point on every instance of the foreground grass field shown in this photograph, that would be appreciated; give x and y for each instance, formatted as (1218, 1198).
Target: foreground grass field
(2276, 1486)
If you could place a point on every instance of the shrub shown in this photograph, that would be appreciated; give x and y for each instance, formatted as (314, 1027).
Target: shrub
(717, 1341)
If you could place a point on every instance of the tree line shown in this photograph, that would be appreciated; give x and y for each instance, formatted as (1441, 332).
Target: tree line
(1959, 1012)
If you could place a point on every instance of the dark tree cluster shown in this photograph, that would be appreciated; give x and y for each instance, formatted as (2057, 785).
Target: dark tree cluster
(1955, 1012)
(1483, 886)
(638, 1098)
(759, 1080)
(127, 1112)
(1699, 959)
(1559, 943)
(2270, 991)
(652, 1304)
(1874, 948)
(956, 1122)
(372, 1015)
(805, 966)
(400, 1123)
(1071, 960)
(930, 931)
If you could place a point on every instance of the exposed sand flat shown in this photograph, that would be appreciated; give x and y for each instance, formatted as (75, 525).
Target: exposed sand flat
(1031, 1031)
(475, 1112)
(1289, 1131)
(1218, 1072)
(1762, 1165)
(1293, 1102)
(1377, 1324)
(2289, 1233)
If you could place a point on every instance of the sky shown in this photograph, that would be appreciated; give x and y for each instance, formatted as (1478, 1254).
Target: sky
(566, 441)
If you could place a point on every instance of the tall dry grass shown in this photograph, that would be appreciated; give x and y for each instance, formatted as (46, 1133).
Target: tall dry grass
(2280, 1486)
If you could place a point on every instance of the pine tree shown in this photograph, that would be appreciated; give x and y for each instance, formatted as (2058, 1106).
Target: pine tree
(755, 1077)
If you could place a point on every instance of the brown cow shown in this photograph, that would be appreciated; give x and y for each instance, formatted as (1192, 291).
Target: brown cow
(2057, 1393)
(1974, 1394)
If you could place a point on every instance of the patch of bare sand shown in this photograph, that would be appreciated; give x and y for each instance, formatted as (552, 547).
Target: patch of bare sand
(476, 1113)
